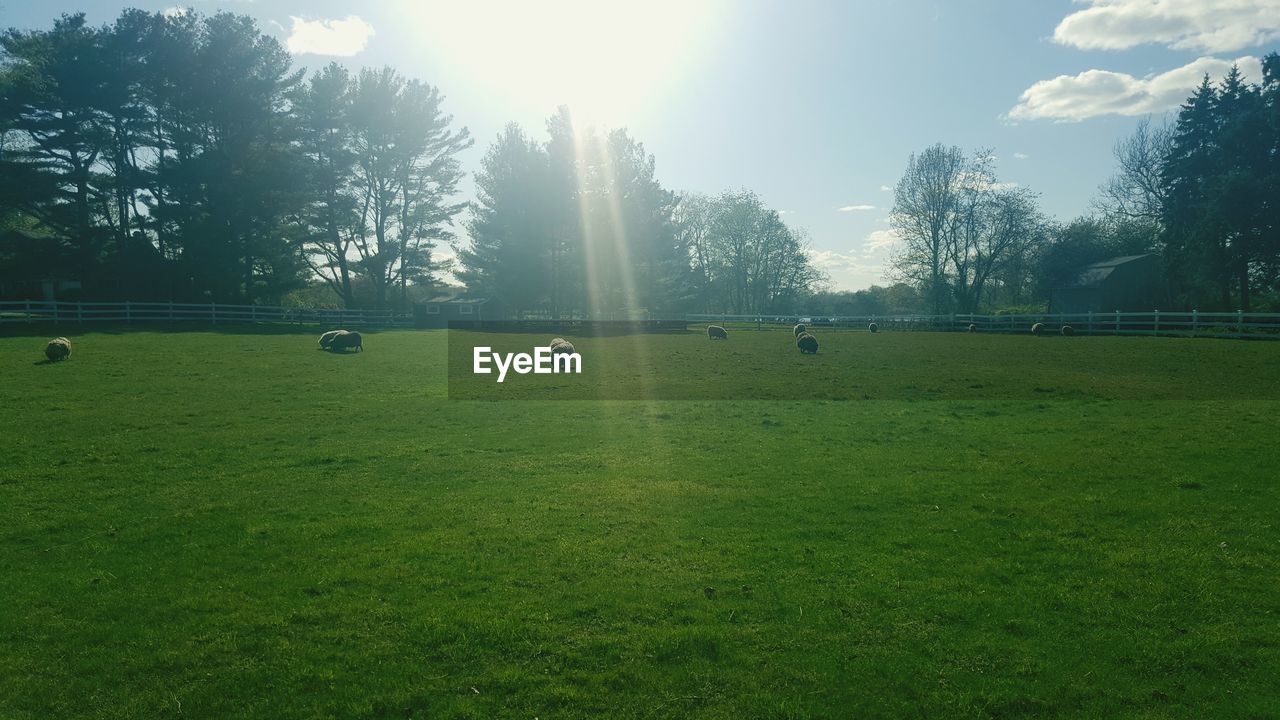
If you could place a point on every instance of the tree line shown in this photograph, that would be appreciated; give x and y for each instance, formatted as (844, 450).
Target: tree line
(579, 223)
(1201, 192)
(180, 156)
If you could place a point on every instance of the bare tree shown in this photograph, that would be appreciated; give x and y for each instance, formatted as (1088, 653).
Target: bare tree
(692, 218)
(926, 209)
(960, 226)
(1136, 191)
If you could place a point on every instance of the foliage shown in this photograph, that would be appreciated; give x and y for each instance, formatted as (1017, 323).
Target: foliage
(180, 156)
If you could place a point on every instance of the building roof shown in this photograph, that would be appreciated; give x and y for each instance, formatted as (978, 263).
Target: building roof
(1097, 273)
(456, 299)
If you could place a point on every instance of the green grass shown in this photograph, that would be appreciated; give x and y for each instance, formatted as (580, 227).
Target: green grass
(232, 524)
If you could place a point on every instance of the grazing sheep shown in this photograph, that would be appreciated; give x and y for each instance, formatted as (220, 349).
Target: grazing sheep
(556, 341)
(1068, 331)
(716, 332)
(346, 341)
(807, 343)
(327, 339)
(799, 330)
(973, 328)
(57, 349)
(1037, 329)
(873, 327)
(564, 347)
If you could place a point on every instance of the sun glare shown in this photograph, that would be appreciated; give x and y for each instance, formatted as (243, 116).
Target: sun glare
(602, 59)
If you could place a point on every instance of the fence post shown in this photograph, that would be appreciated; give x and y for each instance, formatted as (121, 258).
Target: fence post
(1195, 322)
(213, 313)
(1240, 322)
(170, 311)
(1090, 322)
(1117, 322)
(128, 312)
(1156, 328)
(28, 313)
(253, 313)
(80, 311)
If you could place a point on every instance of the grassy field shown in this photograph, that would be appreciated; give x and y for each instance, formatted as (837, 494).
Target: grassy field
(233, 524)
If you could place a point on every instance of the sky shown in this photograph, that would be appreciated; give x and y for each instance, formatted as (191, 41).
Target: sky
(814, 105)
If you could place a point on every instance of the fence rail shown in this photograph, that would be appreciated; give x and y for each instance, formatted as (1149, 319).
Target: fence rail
(1189, 324)
(23, 311)
(1180, 324)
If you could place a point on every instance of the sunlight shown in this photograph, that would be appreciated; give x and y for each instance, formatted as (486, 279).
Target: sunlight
(600, 58)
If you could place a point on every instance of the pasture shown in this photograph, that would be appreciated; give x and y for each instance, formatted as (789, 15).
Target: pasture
(231, 523)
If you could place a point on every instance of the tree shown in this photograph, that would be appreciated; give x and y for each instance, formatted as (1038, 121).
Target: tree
(1137, 191)
(330, 220)
(406, 173)
(1218, 183)
(511, 225)
(961, 228)
(53, 87)
(926, 209)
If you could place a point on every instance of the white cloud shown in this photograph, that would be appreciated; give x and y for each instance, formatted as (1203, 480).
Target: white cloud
(172, 12)
(878, 240)
(1021, 156)
(342, 38)
(859, 267)
(1200, 25)
(885, 188)
(845, 268)
(786, 212)
(1102, 92)
(855, 208)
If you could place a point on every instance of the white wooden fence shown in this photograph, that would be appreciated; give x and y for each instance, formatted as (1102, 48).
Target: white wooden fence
(32, 311)
(1188, 324)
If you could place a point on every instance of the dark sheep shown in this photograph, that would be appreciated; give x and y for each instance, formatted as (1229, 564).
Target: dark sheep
(57, 349)
(326, 340)
(873, 327)
(973, 328)
(1037, 329)
(799, 330)
(564, 347)
(1068, 331)
(347, 341)
(716, 332)
(807, 343)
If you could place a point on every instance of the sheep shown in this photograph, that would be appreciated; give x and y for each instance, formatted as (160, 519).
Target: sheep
(807, 343)
(564, 347)
(1037, 329)
(1068, 331)
(57, 349)
(873, 327)
(973, 328)
(556, 341)
(799, 330)
(346, 341)
(326, 339)
(716, 332)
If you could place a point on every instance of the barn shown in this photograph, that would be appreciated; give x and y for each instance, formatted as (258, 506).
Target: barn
(439, 311)
(1131, 283)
